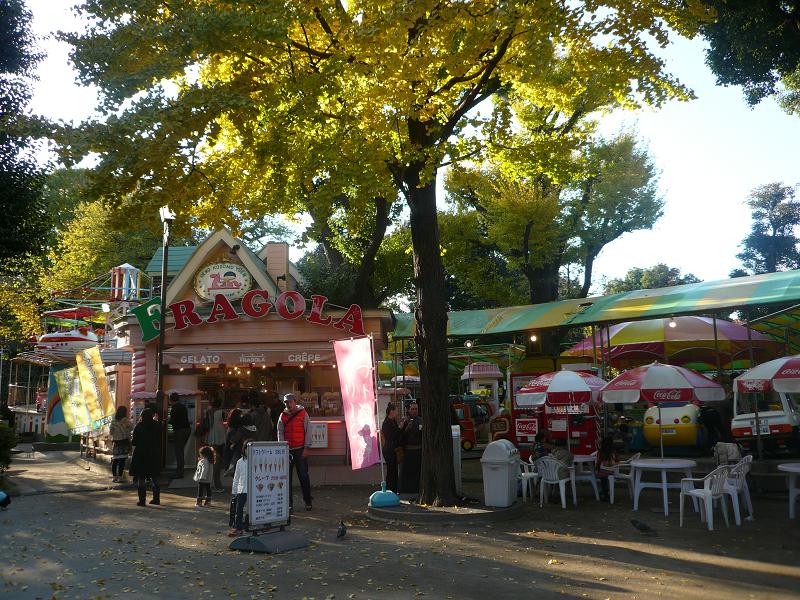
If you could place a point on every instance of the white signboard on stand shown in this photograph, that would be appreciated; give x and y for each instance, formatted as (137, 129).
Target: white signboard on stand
(268, 484)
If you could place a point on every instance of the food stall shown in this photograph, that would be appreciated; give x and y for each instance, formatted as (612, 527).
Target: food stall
(239, 332)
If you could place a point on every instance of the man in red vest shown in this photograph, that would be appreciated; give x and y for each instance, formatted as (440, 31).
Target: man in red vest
(293, 428)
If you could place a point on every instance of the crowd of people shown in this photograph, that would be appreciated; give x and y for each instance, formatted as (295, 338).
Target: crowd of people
(225, 434)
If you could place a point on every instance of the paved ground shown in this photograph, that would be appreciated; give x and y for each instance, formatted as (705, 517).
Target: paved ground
(98, 544)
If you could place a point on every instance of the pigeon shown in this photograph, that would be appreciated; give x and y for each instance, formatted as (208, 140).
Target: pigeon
(643, 528)
(341, 530)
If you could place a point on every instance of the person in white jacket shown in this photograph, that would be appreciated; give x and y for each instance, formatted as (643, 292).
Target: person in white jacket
(239, 495)
(204, 474)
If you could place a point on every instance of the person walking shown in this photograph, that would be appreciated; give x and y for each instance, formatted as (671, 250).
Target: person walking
(263, 421)
(120, 432)
(181, 430)
(146, 459)
(293, 428)
(390, 438)
(216, 439)
(235, 417)
(411, 436)
(203, 475)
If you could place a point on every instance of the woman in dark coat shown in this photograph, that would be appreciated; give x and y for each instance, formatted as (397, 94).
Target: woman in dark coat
(146, 459)
(390, 434)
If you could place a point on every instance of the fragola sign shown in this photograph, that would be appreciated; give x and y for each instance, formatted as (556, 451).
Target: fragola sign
(256, 304)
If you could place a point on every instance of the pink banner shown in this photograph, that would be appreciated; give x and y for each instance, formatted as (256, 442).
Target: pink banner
(356, 376)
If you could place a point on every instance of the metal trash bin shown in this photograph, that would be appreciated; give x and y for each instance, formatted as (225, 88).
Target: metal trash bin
(500, 464)
(456, 429)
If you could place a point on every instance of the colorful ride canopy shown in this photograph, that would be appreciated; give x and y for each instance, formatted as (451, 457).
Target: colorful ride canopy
(680, 341)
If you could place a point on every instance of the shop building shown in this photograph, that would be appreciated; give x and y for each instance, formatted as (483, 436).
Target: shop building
(238, 330)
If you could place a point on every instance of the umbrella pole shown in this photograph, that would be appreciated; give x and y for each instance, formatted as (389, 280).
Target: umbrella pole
(759, 441)
(594, 345)
(716, 345)
(660, 432)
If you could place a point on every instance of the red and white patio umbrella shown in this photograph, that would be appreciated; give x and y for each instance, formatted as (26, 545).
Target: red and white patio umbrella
(561, 387)
(657, 383)
(781, 375)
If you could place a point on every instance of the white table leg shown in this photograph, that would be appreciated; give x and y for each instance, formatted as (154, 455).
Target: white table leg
(636, 489)
(664, 491)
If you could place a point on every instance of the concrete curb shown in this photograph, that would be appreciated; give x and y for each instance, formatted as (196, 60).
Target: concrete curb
(433, 517)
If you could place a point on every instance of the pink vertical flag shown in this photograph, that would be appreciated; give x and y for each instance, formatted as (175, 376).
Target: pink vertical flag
(355, 364)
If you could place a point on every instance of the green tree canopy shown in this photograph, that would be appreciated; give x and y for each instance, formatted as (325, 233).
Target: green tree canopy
(772, 244)
(755, 44)
(648, 278)
(23, 216)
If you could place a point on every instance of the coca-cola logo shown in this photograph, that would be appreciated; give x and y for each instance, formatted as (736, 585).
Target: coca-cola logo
(790, 372)
(527, 427)
(667, 395)
(626, 383)
(753, 386)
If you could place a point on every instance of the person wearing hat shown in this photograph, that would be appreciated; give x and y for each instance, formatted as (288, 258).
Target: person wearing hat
(293, 427)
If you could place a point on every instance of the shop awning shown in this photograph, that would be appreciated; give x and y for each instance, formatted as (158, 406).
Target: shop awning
(707, 297)
(240, 354)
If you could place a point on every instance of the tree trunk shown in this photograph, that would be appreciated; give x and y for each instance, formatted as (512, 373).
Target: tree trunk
(587, 272)
(543, 283)
(363, 292)
(437, 485)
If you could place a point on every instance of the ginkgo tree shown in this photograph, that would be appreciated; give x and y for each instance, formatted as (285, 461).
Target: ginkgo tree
(223, 108)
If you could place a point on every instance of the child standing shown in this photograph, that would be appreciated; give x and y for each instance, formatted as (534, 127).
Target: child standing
(204, 474)
(239, 497)
(606, 460)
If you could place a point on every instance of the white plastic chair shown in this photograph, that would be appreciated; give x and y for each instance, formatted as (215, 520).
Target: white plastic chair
(713, 489)
(528, 477)
(585, 472)
(736, 484)
(548, 468)
(624, 472)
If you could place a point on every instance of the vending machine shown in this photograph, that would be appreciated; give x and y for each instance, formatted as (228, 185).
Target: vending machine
(527, 419)
(579, 424)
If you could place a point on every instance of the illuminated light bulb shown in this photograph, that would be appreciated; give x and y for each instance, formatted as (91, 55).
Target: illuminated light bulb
(672, 322)
(534, 337)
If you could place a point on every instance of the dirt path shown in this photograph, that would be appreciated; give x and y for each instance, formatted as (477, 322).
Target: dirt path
(98, 544)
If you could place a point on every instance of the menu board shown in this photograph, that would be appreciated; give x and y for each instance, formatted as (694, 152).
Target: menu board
(268, 483)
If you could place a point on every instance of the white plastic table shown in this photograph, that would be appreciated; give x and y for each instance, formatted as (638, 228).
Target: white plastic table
(584, 471)
(792, 470)
(658, 464)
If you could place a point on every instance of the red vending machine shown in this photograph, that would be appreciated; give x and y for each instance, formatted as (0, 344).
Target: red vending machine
(527, 415)
(577, 423)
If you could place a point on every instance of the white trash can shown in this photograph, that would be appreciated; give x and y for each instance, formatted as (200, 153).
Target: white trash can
(500, 463)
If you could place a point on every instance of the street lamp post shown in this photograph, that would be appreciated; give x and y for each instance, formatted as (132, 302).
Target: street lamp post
(167, 217)
(468, 345)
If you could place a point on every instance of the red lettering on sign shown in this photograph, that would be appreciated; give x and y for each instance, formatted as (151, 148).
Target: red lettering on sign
(222, 308)
(184, 314)
(298, 305)
(352, 320)
(249, 306)
(317, 302)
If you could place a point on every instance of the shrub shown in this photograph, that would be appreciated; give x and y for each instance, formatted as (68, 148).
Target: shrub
(8, 439)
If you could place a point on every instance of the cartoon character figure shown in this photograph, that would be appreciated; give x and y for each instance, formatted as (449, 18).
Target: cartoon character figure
(225, 282)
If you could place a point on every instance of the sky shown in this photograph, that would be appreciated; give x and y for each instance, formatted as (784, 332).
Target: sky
(711, 152)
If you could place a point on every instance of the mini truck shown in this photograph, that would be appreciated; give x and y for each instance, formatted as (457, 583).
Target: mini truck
(778, 417)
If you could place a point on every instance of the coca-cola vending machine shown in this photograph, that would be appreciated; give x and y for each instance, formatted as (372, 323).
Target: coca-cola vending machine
(527, 419)
(578, 423)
